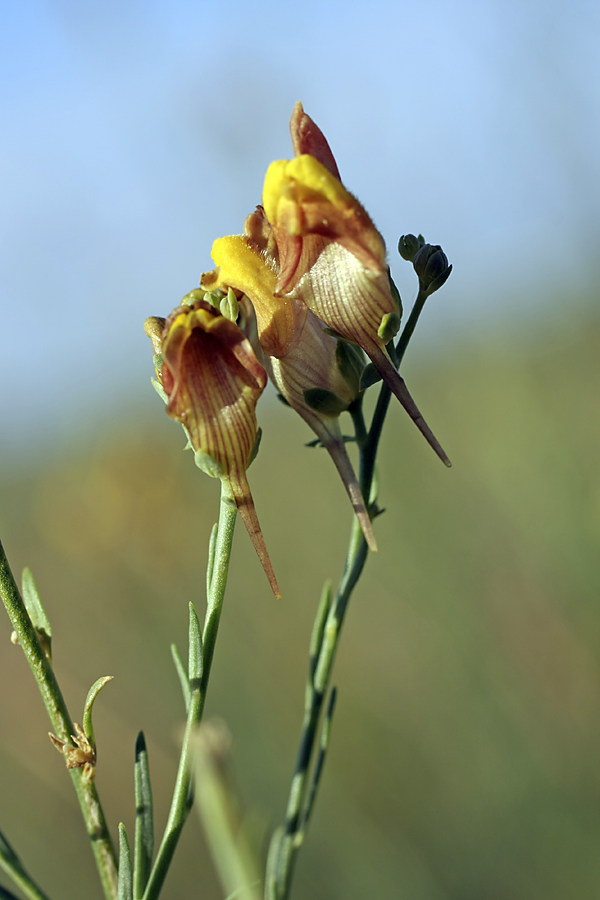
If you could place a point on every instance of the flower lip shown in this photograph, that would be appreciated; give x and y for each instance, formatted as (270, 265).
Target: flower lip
(213, 380)
(307, 137)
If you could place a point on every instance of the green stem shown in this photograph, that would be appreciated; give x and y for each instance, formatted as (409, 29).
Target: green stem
(318, 684)
(181, 802)
(411, 324)
(368, 458)
(62, 724)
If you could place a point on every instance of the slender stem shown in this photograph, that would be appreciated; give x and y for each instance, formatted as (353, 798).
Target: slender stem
(318, 683)
(62, 724)
(218, 583)
(383, 401)
(368, 443)
(180, 804)
(411, 324)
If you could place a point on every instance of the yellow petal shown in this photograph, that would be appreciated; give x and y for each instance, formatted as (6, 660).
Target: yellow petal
(241, 267)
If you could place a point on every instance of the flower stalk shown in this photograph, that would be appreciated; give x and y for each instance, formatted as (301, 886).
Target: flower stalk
(286, 841)
(202, 647)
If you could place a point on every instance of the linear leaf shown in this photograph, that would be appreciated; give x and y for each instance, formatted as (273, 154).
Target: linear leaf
(195, 649)
(89, 703)
(182, 675)
(144, 819)
(37, 614)
(125, 882)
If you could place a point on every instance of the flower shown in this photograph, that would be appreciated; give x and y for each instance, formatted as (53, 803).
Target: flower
(331, 256)
(212, 381)
(306, 365)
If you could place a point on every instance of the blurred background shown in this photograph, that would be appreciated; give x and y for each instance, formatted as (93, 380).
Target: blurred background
(464, 760)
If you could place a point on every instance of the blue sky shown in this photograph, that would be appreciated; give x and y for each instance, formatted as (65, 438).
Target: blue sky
(135, 133)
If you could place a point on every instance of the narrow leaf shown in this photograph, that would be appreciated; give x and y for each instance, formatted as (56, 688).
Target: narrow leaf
(89, 703)
(316, 638)
(182, 675)
(125, 881)
(37, 614)
(272, 863)
(323, 745)
(219, 811)
(195, 649)
(211, 557)
(144, 819)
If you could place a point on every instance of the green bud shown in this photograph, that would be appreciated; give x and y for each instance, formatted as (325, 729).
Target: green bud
(229, 306)
(196, 294)
(214, 298)
(409, 245)
(431, 265)
(390, 323)
(324, 402)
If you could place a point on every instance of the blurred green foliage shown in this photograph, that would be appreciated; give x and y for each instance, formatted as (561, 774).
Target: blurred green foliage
(465, 754)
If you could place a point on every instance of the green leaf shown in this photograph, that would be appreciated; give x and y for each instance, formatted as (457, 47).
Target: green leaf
(125, 881)
(89, 703)
(369, 376)
(211, 558)
(395, 294)
(37, 614)
(195, 650)
(144, 819)
(316, 638)
(349, 363)
(159, 390)
(320, 761)
(182, 674)
(324, 402)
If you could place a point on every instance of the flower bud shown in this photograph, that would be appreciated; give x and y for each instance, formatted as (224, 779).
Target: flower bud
(409, 245)
(431, 265)
(154, 327)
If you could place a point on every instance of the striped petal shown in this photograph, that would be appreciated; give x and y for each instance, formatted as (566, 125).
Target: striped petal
(213, 380)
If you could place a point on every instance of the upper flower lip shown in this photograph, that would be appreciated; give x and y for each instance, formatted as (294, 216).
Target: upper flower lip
(307, 137)
(305, 203)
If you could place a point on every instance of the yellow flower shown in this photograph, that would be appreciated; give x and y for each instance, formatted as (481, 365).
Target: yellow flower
(213, 380)
(331, 256)
(302, 360)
